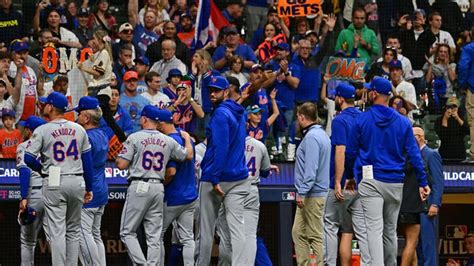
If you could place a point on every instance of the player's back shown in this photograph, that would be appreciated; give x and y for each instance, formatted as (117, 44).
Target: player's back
(61, 144)
(35, 179)
(148, 152)
(257, 158)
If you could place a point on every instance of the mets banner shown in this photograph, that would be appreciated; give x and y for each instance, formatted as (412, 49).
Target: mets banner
(299, 8)
(351, 69)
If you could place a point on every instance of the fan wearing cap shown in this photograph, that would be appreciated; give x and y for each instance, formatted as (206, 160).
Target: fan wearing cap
(142, 66)
(173, 79)
(255, 119)
(339, 199)
(25, 80)
(130, 100)
(83, 31)
(232, 46)
(285, 78)
(402, 88)
(186, 33)
(31, 183)
(180, 194)
(65, 161)
(144, 33)
(92, 251)
(125, 34)
(185, 108)
(379, 141)
(145, 154)
(9, 136)
(224, 172)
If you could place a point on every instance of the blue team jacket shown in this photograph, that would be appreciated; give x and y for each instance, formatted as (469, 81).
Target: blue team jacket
(466, 67)
(99, 150)
(224, 160)
(381, 137)
(182, 188)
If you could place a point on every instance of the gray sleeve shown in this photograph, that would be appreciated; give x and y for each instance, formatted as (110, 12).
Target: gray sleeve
(265, 164)
(128, 149)
(36, 142)
(20, 156)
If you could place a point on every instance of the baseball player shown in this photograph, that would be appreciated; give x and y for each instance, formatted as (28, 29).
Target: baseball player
(336, 216)
(31, 195)
(92, 250)
(146, 154)
(180, 194)
(258, 164)
(378, 142)
(66, 164)
(224, 173)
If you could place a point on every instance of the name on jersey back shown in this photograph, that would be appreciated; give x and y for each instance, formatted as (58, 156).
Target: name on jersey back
(63, 132)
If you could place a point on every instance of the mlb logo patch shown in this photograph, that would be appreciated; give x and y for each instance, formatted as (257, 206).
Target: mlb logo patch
(108, 172)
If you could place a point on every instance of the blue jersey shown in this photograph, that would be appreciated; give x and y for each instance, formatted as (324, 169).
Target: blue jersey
(182, 188)
(143, 37)
(123, 120)
(99, 150)
(341, 128)
(286, 94)
(134, 106)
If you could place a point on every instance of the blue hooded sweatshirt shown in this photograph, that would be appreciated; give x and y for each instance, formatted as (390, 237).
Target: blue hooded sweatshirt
(381, 137)
(224, 160)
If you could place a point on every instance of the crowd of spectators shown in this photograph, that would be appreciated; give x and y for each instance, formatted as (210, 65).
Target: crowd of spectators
(275, 63)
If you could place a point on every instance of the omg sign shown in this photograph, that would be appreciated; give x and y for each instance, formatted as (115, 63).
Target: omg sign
(346, 68)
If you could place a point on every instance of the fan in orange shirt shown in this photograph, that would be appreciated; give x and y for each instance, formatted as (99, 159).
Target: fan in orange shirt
(9, 137)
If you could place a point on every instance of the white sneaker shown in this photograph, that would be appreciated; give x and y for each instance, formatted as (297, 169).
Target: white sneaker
(276, 151)
(282, 140)
(291, 151)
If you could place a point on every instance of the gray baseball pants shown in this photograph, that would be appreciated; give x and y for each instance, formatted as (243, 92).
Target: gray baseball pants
(210, 202)
(336, 218)
(183, 227)
(251, 215)
(63, 205)
(91, 245)
(381, 204)
(29, 233)
(147, 208)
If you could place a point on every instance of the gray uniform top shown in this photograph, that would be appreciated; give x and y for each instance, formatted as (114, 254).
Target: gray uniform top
(257, 158)
(35, 179)
(200, 149)
(197, 166)
(148, 152)
(60, 143)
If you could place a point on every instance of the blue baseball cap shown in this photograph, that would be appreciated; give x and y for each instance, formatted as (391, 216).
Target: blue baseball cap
(165, 116)
(152, 112)
(174, 72)
(395, 64)
(87, 103)
(56, 99)
(380, 85)
(345, 90)
(142, 60)
(8, 112)
(32, 122)
(20, 46)
(219, 82)
(283, 46)
(254, 109)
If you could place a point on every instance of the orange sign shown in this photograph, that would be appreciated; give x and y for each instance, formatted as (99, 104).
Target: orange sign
(299, 8)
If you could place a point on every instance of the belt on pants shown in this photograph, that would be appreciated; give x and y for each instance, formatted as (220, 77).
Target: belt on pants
(149, 180)
(44, 175)
(254, 184)
(36, 187)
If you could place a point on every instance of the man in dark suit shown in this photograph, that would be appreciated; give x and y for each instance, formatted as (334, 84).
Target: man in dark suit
(427, 250)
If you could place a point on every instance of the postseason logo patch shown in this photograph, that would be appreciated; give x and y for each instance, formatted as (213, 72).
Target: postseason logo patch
(108, 172)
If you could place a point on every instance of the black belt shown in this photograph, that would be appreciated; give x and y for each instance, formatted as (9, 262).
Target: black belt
(44, 176)
(254, 184)
(153, 180)
(37, 187)
(100, 87)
